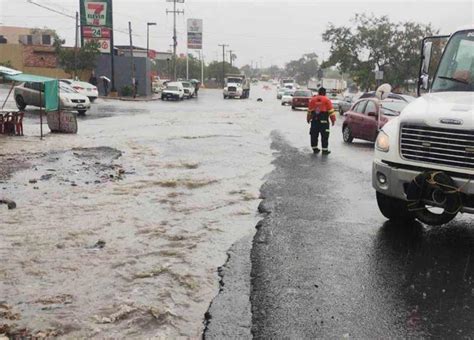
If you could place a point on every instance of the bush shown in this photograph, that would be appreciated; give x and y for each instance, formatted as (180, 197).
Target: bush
(126, 91)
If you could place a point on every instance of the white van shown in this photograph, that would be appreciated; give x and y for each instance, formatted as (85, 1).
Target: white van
(173, 90)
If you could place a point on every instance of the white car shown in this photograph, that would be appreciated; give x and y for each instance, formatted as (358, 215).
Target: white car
(280, 92)
(287, 97)
(173, 90)
(84, 88)
(189, 89)
(69, 99)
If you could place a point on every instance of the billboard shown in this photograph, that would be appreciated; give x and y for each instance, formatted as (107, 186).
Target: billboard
(194, 34)
(96, 22)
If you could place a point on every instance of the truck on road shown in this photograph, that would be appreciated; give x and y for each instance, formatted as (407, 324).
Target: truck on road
(330, 84)
(236, 85)
(424, 159)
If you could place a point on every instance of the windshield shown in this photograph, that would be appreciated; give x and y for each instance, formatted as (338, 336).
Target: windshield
(186, 84)
(288, 81)
(66, 89)
(392, 108)
(172, 88)
(288, 93)
(456, 69)
(234, 80)
(302, 94)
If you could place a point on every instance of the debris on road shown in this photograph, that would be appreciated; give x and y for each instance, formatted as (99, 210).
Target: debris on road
(11, 204)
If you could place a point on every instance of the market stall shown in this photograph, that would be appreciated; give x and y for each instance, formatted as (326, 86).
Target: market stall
(58, 121)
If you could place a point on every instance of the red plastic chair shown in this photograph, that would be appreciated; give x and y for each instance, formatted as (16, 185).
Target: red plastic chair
(8, 124)
(18, 121)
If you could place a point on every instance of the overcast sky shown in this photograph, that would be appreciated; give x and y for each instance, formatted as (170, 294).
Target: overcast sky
(263, 31)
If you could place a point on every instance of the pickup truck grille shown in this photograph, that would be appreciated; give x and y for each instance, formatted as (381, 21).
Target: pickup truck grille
(232, 89)
(78, 101)
(438, 145)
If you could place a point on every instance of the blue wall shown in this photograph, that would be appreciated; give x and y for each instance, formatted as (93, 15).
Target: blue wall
(123, 73)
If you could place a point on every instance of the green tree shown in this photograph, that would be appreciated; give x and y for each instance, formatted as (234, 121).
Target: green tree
(86, 56)
(374, 42)
(304, 68)
(214, 70)
(194, 67)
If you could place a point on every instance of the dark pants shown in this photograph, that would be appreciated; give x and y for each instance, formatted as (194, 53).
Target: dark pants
(319, 127)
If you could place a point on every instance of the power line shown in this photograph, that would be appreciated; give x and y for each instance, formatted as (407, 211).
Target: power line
(72, 16)
(51, 9)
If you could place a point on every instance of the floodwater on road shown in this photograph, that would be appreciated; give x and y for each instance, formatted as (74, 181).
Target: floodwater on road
(119, 230)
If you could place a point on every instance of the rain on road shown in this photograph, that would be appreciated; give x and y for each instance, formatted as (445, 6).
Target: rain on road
(169, 187)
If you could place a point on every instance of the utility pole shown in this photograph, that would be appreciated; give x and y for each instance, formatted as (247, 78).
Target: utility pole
(223, 62)
(75, 46)
(112, 63)
(175, 39)
(202, 66)
(132, 68)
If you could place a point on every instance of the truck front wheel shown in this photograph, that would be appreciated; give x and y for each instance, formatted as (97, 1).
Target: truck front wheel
(393, 208)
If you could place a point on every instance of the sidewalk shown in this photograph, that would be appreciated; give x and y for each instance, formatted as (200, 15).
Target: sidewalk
(131, 99)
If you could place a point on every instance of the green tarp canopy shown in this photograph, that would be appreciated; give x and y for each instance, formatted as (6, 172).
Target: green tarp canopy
(51, 87)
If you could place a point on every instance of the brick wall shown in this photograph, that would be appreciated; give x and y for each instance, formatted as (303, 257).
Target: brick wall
(39, 56)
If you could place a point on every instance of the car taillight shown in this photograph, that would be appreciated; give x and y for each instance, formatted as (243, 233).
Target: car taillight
(94, 88)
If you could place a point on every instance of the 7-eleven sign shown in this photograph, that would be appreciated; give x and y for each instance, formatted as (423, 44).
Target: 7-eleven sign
(96, 13)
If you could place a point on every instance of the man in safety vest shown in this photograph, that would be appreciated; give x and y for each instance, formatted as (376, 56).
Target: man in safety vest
(320, 110)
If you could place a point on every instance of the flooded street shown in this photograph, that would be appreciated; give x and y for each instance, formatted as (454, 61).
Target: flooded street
(119, 230)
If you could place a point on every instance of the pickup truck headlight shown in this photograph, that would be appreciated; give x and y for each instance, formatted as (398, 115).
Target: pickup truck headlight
(383, 142)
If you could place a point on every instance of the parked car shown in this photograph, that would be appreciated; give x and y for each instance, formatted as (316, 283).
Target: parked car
(82, 87)
(403, 97)
(189, 89)
(69, 99)
(337, 101)
(368, 116)
(173, 90)
(345, 104)
(287, 97)
(280, 92)
(158, 84)
(301, 98)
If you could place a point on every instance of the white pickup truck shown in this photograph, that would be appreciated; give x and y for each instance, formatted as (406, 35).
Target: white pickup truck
(424, 159)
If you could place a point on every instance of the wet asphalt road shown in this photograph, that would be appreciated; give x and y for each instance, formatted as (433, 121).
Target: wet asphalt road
(326, 264)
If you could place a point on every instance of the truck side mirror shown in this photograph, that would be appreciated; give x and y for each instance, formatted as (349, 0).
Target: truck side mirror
(425, 81)
(426, 57)
(431, 49)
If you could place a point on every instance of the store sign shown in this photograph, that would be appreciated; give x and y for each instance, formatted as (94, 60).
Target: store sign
(103, 44)
(194, 34)
(96, 32)
(96, 23)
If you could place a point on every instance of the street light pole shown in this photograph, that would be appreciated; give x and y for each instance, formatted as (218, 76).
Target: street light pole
(76, 45)
(148, 24)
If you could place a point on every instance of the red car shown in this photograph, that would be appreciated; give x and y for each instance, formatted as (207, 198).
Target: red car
(361, 120)
(301, 98)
